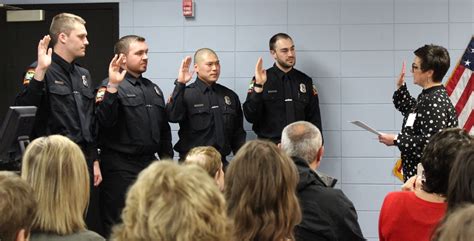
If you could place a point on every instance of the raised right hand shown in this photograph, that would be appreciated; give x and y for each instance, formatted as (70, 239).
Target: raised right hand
(44, 53)
(44, 58)
(401, 77)
(116, 75)
(260, 72)
(184, 74)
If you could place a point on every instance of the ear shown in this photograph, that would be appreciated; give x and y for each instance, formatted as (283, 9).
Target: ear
(279, 145)
(62, 38)
(320, 154)
(273, 53)
(430, 74)
(124, 60)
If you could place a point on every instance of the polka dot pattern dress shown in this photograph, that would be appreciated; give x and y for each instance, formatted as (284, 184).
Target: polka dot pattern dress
(434, 112)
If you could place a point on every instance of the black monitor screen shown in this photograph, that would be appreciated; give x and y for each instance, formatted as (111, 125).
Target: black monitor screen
(15, 129)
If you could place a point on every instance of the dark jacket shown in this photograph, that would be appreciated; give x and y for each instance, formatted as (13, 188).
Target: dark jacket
(190, 106)
(65, 101)
(133, 120)
(267, 111)
(327, 213)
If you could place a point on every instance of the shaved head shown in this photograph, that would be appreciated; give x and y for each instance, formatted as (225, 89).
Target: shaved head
(207, 65)
(200, 53)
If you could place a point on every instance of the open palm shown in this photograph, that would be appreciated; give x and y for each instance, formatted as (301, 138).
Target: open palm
(116, 75)
(184, 74)
(44, 53)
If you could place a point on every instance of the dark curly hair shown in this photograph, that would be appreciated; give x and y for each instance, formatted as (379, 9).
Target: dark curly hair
(439, 155)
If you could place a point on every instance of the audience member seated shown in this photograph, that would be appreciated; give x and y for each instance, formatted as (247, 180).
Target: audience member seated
(460, 193)
(56, 169)
(327, 213)
(461, 178)
(208, 158)
(169, 202)
(18, 207)
(261, 193)
(414, 215)
(458, 225)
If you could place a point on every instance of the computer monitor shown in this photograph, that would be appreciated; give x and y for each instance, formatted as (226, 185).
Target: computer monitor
(14, 135)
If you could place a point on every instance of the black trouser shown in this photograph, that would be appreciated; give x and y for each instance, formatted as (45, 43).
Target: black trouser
(93, 220)
(119, 171)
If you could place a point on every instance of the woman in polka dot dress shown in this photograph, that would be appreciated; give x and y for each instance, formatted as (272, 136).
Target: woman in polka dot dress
(431, 112)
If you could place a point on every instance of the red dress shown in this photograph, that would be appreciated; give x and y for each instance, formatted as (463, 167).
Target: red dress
(404, 216)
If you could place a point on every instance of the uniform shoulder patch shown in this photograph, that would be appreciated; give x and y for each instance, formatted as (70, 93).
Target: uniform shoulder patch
(100, 94)
(315, 91)
(252, 82)
(30, 72)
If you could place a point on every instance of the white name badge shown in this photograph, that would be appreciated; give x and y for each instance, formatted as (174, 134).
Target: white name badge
(410, 120)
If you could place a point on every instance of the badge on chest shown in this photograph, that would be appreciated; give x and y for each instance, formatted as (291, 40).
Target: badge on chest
(84, 81)
(227, 100)
(302, 88)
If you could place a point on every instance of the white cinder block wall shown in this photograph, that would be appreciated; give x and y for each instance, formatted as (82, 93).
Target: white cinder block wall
(353, 49)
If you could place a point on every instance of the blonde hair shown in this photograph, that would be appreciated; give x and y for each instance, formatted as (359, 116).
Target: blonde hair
(169, 202)
(56, 169)
(261, 193)
(63, 23)
(17, 205)
(457, 226)
(206, 157)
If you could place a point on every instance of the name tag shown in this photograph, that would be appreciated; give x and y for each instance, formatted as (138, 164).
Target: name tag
(131, 95)
(272, 91)
(198, 105)
(410, 120)
(58, 82)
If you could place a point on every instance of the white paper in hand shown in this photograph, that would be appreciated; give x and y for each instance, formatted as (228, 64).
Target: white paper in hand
(365, 127)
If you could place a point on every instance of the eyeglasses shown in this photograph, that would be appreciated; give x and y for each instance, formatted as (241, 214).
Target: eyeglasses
(413, 67)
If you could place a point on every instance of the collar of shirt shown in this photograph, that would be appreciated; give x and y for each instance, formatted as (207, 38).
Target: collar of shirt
(432, 89)
(202, 86)
(307, 175)
(280, 73)
(132, 79)
(68, 67)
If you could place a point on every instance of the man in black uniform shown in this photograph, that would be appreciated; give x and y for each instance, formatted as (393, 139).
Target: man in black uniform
(62, 91)
(282, 94)
(208, 113)
(133, 125)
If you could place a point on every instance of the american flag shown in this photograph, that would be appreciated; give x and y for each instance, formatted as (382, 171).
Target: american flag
(460, 88)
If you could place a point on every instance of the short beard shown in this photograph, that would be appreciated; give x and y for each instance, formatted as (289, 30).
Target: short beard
(285, 65)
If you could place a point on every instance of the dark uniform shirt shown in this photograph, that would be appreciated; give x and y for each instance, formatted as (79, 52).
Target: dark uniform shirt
(133, 120)
(434, 112)
(65, 102)
(268, 110)
(191, 107)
